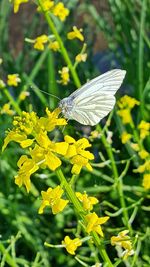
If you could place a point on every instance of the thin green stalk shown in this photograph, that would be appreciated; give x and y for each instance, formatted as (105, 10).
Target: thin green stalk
(13, 102)
(118, 182)
(62, 47)
(141, 56)
(81, 212)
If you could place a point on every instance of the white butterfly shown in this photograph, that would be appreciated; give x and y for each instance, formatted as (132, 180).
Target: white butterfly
(94, 100)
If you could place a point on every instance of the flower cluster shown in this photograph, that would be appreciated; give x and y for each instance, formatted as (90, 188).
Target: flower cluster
(31, 132)
(123, 240)
(126, 104)
(58, 10)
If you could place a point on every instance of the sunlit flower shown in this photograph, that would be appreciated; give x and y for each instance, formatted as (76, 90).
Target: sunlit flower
(64, 73)
(143, 167)
(60, 11)
(17, 4)
(144, 128)
(76, 33)
(2, 84)
(87, 201)
(81, 58)
(125, 137)
(23, 95)
(6, 109)
(46, 5)
(143, 154)
(135, 146)
(125, 115)
(40, 41)
(94, 223)
(13, 79)
(127, 102)
(26, 168)
(54, 46)
(124, 241)
(52, 198)
(146, 180)
(71, 244)
(78, 155)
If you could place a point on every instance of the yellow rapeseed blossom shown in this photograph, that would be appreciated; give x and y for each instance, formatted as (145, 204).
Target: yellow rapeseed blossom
(125, 115)
(143, 154)
(17, 4)
(127, 102)
(143, 167)
(76, 33)
(2, 84)
(135, 146)
(6, 110)
(146, 180)
(71, 244)
(54, 46)
(78, 155)
(144, 128)
(81, 58)
(60, 11)
(94, 223)
(124, 241)
(13, 79)
(64, 73)
(52, 198)
(23, 95)
(46, 5)
(125, 137)
(87, 201)
(26, 168)
(40, 41)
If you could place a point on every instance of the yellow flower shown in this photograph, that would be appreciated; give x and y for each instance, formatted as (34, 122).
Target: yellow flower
(146, 181)
(46, 149)
(135, 146)
(64, 73)
(27, 167)
(71, 244)
(81, 57)
(125, 137)
(6, 110)
(40, 41)
(2, 84)
(123, 240)
(144, 167)
(46, 5)
(17, 4)
(54, 46)
(144, 129)
(127, 102)
(52, 198)
(79, 156)
(13, 79)
(94, 223)
(23, 95)
(76, 33)
(143, 154)
(125, 115)
(87, 202)
(60, 11)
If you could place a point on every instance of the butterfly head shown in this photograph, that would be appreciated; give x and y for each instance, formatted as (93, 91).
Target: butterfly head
(66, 107)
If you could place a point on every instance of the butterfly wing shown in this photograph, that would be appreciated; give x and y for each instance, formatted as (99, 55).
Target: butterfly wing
(94, 100)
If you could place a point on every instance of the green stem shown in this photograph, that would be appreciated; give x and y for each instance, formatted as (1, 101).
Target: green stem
(118, 182)
(81, 212)
(62, 47)
(141, 56)
(13, 102)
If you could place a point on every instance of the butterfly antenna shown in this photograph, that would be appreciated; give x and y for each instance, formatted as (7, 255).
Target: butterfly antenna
(48, 93)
